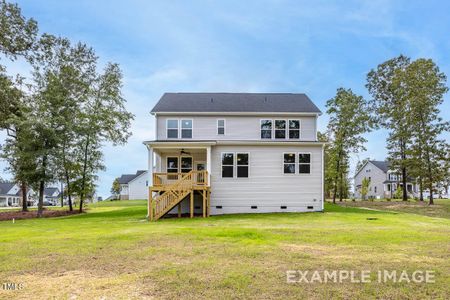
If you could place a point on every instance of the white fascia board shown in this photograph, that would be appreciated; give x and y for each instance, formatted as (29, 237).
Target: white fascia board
(228, 113)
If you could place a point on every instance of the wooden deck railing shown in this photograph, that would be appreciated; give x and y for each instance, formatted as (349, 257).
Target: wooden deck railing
(175, 191)
(166, 179)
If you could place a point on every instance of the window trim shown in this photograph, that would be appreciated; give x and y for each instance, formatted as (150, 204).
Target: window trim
(310, 163)
(192, 163)
(235, 153)
(224, 126)
(222, 165)
(167, 129)
(299, 129)
(274, 129)
(247, 165)
(283, 163)
(181, 129)
(167, 167)
(271, 129)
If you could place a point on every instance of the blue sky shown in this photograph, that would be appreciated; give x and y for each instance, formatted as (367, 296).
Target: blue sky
(244, 46)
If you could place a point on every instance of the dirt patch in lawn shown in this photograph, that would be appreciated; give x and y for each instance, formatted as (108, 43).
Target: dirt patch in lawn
(19, 215)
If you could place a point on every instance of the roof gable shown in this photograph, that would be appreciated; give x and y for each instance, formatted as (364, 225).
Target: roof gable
(126, 178)
(236, 102)
(5, 187)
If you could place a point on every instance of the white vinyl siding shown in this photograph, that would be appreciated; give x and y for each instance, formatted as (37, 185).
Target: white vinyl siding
(238, 127)
(266, 187)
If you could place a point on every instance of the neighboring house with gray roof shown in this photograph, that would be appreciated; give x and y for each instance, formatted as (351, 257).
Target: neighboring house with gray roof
(9, 194)
(134, 186)
(259, 151)
(384, 180)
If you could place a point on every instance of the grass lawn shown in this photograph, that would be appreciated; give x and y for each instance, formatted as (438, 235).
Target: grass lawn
(113, 252)
(441, 207)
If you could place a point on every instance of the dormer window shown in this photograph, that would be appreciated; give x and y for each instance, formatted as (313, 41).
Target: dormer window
(280, 129)
(186, 129)
(172, 129)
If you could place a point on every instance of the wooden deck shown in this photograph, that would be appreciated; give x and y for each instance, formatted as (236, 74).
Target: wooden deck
(173, 188)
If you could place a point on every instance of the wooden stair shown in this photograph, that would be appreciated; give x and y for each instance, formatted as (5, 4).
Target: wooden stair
(173, 194)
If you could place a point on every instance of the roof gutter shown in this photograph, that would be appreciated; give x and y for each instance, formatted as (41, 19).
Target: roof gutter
(231, 113)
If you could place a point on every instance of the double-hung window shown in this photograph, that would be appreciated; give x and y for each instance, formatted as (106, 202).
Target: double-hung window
(228, 165)
(172, 129)
(280, 129)
(304, 163)
(242, 164)
(220, 127)
(266, 129)
(289, 163)
(186, 164)
(294, 129)
(186, 129)
(235, 165)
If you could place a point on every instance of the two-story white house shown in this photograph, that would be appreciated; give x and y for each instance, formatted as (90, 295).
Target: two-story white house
(384, 181)
(222, 153)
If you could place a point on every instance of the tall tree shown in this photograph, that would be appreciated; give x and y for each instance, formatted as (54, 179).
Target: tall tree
(349, 121)
(424, 88)
(17, 38)
(106, 120)
(388, 104)
(115, 188)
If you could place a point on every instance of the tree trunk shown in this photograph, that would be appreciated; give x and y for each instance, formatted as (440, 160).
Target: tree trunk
(42, 187)
(341, 188)
(405, 194)
(83, 181)
(420, 189)
(62, 194)
(24, 197)
(338, 168)
(69, 196)
(41, 199)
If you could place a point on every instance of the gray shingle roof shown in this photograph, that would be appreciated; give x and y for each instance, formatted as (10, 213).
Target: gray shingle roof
(235, 102)
(5, 187)
(125, 178)
(382, 165)
(50, 190)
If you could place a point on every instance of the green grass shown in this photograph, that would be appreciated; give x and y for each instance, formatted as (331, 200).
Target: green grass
(113, 252)
(441, 207)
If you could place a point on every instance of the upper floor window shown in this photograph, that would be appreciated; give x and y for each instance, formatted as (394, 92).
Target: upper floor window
(280, 129)
(304, 163)
(172, 129)
(186, 129)
(221, 127)
(294, 129)
(266, 129)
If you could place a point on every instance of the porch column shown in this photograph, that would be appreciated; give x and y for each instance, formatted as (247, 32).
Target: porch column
(208, 163)
(150, 180)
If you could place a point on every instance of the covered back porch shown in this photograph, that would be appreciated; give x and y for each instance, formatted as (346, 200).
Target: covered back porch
(179, 178)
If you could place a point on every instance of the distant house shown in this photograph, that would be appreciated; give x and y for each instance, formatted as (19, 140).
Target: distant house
(52, 195)
(384, 180)
(10, 194)
(134, 186)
